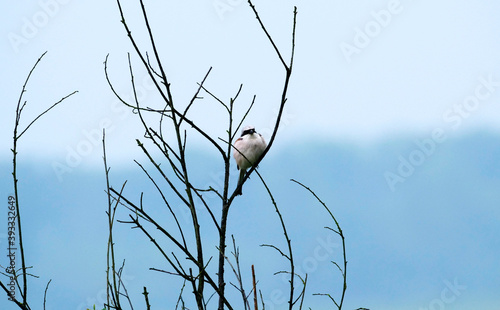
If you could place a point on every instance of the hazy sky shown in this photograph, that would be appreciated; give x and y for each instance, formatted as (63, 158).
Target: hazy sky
(362, 70)
(365, 72)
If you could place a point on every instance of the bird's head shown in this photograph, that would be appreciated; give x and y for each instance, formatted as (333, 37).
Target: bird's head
(248, 130)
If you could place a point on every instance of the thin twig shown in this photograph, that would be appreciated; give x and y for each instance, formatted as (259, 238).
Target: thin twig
(195, 96)
(41, 114)
(179, 245)
(237, 273)
(243, 118)
(291, 301)
(166, 202)
(180, 300)
(254, 284)
(20, 107)
(262, 300)
(45, 294)
(159, 78)
(267, 34)
(288, 69)
(166, 97)
(110, 255)
(340, 233)
(145, 293)
(18, 303)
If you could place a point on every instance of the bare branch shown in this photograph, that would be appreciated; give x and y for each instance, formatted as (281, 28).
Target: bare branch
(195, 96)
(340, 233)
(288, 69)
(267, 34)
(145, 293)
(41, 114)
(187, 192)
(45, 293)
(254, 289)
(19, 109)
(166, 203)
(288, 242)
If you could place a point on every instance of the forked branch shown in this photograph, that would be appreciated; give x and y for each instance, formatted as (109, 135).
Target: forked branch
(18, 133)
(175, 154)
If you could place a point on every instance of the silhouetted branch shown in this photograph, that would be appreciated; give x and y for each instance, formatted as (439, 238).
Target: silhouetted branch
(112, 284)
(340, 233)
(254, 285)
(288, 71)
(288, 256)
(23, 291)
(45, 293)
(146, 298)
(188, 193)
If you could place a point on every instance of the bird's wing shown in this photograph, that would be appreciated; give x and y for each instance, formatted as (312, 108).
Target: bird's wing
(236, 152)
(263, 140)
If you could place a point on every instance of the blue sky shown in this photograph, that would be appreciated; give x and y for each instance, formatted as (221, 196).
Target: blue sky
(425, 60)
(403, 93)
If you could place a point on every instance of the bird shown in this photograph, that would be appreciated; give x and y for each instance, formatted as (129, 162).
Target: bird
(247, 150)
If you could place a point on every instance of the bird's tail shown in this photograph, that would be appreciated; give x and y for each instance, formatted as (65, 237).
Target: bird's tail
(240, 181)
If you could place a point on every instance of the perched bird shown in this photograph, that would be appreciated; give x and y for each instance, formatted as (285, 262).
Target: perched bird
(248, 149)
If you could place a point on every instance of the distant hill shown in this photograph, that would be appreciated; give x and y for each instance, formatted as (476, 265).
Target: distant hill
(434, 228)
